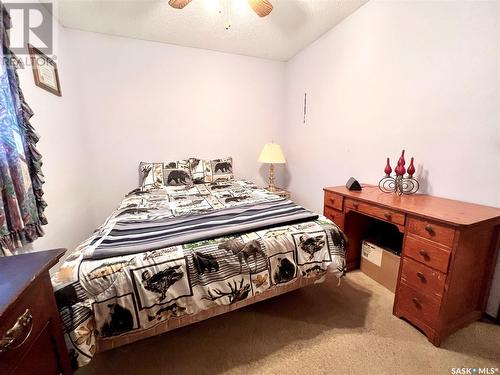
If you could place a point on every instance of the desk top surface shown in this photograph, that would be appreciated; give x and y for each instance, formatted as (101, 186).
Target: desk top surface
(17, 272)
(428, 206)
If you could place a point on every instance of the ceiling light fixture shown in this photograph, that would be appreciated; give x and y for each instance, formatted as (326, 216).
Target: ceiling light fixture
(261, 7)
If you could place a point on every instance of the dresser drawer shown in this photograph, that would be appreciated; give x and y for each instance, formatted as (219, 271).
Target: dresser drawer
(423, 278)
(25, 320)
(336, 216)
(376, 211)
(31, 336)
(334, 200)
(417, 305)
(432, 231)
(427, 252)
(41, 357)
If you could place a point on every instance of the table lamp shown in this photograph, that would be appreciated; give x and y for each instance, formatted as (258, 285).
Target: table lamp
(272, 154)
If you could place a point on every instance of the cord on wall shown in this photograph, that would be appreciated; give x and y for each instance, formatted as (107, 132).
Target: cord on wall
(305, 106)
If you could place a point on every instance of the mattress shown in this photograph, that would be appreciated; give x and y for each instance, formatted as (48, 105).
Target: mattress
(177, 251)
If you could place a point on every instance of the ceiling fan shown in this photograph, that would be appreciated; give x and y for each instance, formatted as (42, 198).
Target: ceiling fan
(261, 7)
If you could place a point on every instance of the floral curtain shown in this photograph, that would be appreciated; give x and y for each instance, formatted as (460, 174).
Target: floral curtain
(21, 179)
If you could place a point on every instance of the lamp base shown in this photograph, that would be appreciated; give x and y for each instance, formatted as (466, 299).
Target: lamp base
(272, 186)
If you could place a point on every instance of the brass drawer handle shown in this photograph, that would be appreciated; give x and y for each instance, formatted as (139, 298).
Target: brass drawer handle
(424, 254)
(355, 205)
(421, 276)
(429, 229)
(388, 215)
(416, 301)
(8, 341)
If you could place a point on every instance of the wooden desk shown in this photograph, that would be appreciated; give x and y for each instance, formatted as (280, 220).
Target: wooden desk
(448, 256)
(31, 337)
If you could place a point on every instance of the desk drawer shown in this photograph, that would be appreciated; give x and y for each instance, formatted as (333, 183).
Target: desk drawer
(422, 278)
(427, 253)
(376, 211)
(334, 200)
(417, 305)
(336, 216)
(432, 231)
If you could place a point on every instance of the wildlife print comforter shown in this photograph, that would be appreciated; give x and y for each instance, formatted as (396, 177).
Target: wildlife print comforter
(130, 275)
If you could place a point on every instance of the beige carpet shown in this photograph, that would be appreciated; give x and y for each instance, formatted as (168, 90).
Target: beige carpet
(322, 329)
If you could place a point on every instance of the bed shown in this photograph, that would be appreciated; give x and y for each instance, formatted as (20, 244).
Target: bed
(169, 256)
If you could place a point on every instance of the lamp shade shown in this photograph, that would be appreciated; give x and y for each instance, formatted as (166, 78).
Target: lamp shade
(272, 154)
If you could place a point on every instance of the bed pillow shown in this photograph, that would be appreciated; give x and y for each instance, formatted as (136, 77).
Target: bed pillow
(172, 173)
(211, 170)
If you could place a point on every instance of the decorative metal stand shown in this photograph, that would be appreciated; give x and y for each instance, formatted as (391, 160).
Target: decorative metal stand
(399, 184)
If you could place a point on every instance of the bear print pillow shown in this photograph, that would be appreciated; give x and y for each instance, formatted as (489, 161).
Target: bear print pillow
(181, 175)
(155, 175)
(197, 168)
(151, 174)
(222, 169)
(207, 171)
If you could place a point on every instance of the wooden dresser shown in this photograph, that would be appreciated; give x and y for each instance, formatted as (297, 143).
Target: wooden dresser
(31, 337)
(448, 256)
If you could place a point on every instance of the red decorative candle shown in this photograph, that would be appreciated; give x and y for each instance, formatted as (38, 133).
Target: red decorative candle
(401, 160)
(411, 168)
(400, 170)
(388, 169)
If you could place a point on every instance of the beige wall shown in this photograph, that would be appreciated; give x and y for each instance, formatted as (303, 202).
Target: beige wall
(146, 101)
(62, 145)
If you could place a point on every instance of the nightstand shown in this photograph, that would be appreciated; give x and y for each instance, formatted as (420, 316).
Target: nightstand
(281, 192)
(31, 336)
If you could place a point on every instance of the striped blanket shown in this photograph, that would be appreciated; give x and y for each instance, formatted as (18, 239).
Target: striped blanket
(133, 236)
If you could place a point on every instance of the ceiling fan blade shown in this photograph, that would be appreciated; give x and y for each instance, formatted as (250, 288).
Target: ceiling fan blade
(261, 7)
(178, 4)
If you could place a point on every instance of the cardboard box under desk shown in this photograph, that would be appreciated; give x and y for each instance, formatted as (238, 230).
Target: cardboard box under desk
(379, 264)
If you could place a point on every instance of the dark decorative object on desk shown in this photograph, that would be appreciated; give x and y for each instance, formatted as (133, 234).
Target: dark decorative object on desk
(399, 184)
(353, 184)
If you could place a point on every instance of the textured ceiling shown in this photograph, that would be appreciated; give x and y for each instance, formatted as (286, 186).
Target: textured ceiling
(291, 26)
